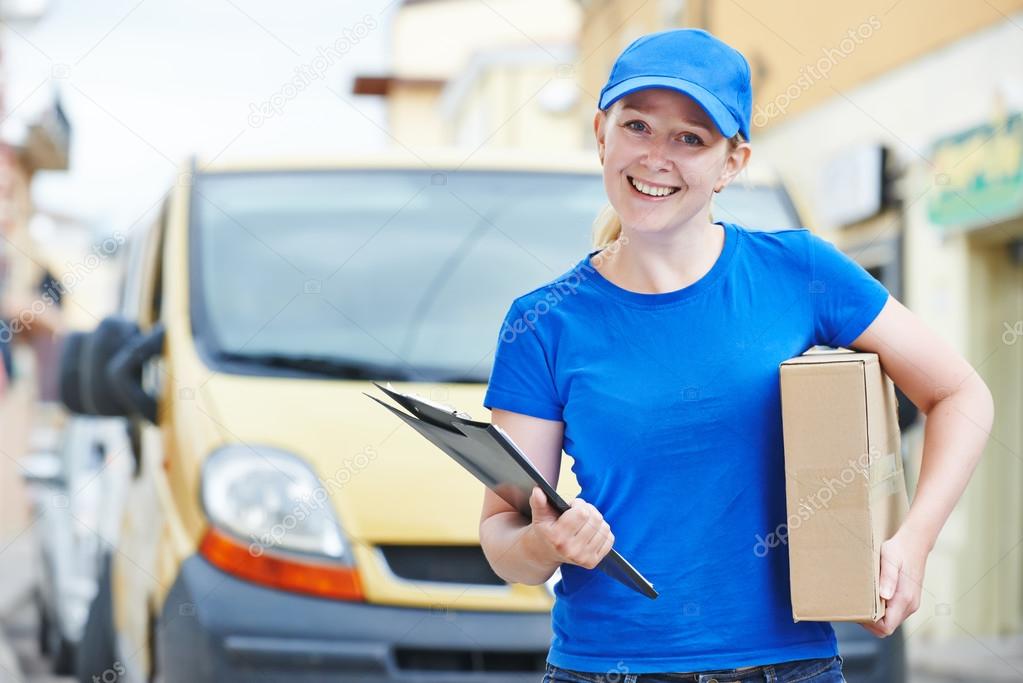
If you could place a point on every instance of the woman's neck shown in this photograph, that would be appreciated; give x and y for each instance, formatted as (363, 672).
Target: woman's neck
(657, 263)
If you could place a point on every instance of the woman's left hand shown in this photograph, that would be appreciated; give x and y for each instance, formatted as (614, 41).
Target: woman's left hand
(903, 560)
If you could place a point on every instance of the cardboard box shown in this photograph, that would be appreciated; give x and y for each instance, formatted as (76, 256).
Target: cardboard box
(844, 482)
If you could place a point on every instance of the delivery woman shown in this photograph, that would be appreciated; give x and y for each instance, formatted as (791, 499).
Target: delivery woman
(654, 363)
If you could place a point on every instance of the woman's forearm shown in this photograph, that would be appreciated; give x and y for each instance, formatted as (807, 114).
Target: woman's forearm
(956, 431)
(513, 550)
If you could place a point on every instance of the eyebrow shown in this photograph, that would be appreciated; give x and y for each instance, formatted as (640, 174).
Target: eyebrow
(640, 110)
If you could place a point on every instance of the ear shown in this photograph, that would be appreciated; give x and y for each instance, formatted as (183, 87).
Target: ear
(599, 122)
(734, 163)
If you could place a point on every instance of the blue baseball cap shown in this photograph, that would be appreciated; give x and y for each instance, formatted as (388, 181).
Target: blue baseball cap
(693, 62)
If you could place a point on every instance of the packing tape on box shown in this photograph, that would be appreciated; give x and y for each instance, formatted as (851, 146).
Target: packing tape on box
(884, 471)
(882, 466)
(825, 488)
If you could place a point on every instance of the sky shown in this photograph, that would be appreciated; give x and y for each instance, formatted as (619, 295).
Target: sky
(146, 84)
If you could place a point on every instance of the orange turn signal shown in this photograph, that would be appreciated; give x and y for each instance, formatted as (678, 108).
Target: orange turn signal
(276, 571)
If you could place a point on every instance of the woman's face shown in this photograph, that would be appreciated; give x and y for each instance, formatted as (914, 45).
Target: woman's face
(663, 158)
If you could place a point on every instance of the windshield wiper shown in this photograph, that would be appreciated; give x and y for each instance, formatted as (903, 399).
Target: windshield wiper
(329, 366)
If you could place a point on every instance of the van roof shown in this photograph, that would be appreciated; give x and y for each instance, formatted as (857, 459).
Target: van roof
(444, 159)
(757, 171)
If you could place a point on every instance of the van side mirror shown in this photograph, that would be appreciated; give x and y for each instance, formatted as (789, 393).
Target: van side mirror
(84, 388)
(71, 372)
(88, 383)
(124, 373)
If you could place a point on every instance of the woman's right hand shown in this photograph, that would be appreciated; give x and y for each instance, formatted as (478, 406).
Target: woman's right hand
(577, 536)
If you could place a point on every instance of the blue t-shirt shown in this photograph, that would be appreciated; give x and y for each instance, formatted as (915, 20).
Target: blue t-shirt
(672, 414)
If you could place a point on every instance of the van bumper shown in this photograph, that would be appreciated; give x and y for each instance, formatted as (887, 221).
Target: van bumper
(215, 627)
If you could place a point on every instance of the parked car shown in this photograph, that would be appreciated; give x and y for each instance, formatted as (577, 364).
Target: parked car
(281, 525)
(75, 486)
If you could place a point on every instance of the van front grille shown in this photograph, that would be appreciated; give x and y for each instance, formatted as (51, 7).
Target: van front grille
(442, 563)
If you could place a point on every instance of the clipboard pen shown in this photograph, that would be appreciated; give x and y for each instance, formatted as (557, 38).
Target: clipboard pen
(488, 453)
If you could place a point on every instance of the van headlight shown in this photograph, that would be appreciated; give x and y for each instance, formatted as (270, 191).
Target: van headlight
(272, 499)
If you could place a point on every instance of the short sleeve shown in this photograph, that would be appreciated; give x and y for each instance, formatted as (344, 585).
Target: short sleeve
(846, 298)
(522, 380)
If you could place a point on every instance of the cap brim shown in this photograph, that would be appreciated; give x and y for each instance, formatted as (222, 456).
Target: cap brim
(717, 111)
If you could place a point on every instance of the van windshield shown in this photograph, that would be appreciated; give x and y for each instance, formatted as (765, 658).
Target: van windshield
(385, 274)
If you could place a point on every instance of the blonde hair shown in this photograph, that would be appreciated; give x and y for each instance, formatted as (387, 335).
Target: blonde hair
(607, 226)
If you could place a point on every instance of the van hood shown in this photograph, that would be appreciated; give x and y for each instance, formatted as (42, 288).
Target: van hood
(386, 482)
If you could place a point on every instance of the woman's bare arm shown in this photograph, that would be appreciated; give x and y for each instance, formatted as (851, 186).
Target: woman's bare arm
(528, 552)
(960, 411)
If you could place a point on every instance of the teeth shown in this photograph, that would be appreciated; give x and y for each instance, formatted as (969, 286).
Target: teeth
(652, 191)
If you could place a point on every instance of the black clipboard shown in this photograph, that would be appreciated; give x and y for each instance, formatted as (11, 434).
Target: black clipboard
(490, 455)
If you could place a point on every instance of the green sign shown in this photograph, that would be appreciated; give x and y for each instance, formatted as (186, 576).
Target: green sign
(979, 175)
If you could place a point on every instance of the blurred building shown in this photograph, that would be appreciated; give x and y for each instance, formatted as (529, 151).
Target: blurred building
(473, 74)
(33, 138)
(897, 128)
(895, 125)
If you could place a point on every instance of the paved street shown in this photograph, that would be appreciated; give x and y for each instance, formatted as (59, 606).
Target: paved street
(19, 650)
(20, 659)
(21, 633)
(19, 654)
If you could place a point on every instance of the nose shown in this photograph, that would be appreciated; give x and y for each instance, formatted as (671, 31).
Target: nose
(655, 159)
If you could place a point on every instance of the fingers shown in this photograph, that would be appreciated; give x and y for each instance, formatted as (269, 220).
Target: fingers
(590, 519)
(537, 499)
(903, 603)
(580, 535)
(890, 567)
(873, 628)
(606, 548)
(540, 507)
(592, 538)
(594, 534)
(888, 586)
(900, 582)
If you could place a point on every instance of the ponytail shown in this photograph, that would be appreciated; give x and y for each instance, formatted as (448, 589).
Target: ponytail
(607, 227)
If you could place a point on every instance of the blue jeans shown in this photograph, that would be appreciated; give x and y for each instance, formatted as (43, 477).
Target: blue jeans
(824, 670)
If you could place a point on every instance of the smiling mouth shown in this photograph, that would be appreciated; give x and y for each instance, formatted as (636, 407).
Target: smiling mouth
(654, 191)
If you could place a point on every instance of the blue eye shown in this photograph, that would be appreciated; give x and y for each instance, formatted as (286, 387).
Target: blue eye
(639, 126)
